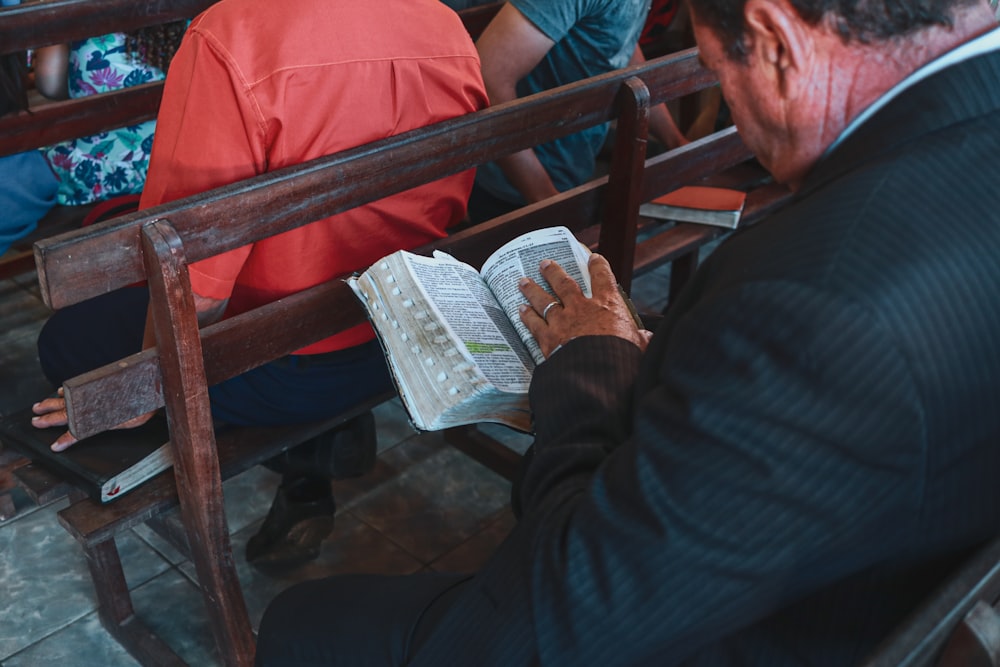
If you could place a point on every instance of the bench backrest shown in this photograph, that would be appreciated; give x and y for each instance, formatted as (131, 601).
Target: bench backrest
(96, 259)
(38, 24)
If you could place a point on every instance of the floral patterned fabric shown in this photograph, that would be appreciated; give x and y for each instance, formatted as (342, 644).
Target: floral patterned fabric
(110, 163)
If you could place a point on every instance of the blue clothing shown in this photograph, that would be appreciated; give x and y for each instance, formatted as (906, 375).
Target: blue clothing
(27, 192)
(591, 37)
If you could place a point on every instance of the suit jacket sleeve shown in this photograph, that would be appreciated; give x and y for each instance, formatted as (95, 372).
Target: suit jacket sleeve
(738, 474)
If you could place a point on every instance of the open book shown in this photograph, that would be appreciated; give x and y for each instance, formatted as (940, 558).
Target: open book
(455, 343)
(106, 465)
(701, 204)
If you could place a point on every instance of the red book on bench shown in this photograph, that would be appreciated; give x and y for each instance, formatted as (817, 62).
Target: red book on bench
(705, 205)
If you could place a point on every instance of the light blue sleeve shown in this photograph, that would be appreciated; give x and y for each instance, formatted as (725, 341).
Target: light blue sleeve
(27, 192)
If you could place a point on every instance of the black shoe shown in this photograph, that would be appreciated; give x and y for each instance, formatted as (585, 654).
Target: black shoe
(293, 531)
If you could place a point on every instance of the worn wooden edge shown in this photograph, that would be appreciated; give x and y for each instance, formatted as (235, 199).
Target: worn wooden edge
(37, 24)
(41, 485)
(53, 122)
(917, 641)
(8, 509)
(119, 391)
(278, 201)
(239, 449)
(141, 642)
(192, 436)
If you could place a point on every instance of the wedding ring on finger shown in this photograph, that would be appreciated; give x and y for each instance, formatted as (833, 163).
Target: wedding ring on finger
(545, 311)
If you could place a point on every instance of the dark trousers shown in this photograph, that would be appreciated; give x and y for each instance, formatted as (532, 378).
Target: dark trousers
(421, 620)
(293, 389)
(359, 620)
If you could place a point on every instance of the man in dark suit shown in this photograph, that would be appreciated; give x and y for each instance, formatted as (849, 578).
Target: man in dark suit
(811, 438)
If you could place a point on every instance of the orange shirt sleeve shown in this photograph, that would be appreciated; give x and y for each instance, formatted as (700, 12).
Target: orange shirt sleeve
(208, 134)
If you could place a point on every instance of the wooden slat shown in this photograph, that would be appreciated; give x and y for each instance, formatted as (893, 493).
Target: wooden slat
(36, 24)
(115, 607)
(196, 463)
(53, 20)
(40, 484)
(130, 387)
(60, 121)
(673, 76)
(621, 206)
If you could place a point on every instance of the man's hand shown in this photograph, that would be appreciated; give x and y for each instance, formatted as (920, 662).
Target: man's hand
(574, 315)
(52, 412)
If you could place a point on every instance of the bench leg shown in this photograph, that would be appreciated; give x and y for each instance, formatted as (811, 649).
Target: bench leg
(681, 270)
(115, 607)
(8, 462)
(7, 509)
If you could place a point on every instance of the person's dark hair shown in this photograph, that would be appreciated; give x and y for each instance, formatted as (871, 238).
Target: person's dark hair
(156, 44)
(13, 95)
(864, 21)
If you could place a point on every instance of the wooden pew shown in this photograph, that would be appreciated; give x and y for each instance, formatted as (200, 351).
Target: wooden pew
(157, 244)
(39, 24)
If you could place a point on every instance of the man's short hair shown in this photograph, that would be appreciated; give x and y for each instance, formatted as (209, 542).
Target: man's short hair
(864, 21)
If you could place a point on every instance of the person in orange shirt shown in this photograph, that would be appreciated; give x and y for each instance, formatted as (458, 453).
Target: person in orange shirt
(258, 86)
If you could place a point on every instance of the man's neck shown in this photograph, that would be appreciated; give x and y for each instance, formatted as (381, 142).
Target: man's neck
(883, 65)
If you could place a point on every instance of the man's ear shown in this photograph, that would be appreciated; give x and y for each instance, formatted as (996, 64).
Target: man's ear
(778, 39)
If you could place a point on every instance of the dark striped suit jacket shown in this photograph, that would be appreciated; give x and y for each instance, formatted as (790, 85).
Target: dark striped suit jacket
(811, 440)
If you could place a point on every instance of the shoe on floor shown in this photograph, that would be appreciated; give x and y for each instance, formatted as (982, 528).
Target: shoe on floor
(293, 530)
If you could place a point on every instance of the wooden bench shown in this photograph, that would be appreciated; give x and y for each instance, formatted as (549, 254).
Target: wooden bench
(157, 244)
(38, 24)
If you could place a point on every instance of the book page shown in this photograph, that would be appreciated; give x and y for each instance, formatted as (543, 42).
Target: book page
(520, 257)
(466, 307)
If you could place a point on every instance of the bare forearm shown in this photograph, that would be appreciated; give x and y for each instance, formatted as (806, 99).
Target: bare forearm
(51, 65)
(661, 123)
(526, 173)
(663, 128)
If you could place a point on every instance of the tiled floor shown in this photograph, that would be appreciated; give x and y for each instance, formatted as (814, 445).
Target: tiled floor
(426, 507)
